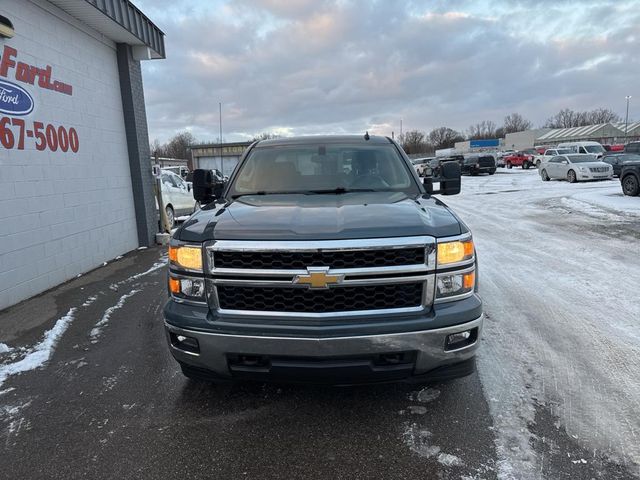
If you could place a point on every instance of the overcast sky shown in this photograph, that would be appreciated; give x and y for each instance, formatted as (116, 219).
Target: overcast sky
(340, 66)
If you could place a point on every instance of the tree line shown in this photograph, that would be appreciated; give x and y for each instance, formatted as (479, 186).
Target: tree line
(417, 141)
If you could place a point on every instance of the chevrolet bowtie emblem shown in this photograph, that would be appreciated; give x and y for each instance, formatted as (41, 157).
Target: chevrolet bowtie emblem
(318, 277)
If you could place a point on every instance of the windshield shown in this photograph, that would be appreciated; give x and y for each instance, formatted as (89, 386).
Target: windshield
(321, 168)
(581, 158)
(594, 148)
(630, 158)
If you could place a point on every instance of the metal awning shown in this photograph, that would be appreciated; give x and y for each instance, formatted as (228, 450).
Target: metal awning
(118, 20)
(604, 130)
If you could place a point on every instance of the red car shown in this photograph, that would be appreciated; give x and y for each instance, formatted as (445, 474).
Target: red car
(519, 159)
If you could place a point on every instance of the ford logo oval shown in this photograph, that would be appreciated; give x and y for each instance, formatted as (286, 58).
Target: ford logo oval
(14, 100)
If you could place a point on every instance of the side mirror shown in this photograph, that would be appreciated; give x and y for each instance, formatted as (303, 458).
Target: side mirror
(205, 187)
(451, 178)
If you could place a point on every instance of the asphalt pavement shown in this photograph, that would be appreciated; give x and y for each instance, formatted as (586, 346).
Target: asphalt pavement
(110, 402)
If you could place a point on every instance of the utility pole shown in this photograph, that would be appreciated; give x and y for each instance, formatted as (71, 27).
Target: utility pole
(221, 157)
(626, 119)
(400, 128)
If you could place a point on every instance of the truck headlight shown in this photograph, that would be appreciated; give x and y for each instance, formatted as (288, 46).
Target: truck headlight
(455, 252)
(188, 257)
(454, 284)
(187, 288)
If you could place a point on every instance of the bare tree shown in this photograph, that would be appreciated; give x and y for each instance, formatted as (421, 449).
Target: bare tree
(156, 149)
(482, 130)
(603, 115)
(413, 141)
(567, 118)
(444, 137)
(265, 136)
(179, 145)
(514, 122)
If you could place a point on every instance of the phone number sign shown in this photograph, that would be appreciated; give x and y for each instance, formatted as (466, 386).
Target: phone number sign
(16, 101)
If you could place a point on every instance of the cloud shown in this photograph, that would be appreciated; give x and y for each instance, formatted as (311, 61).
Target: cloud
(345, 66)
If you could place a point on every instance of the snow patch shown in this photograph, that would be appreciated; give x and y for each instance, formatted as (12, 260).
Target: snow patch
(90, 300)
(5, 348)
(449, 460)
(97, 329)
(425, 395)
(417, 409)
(38, 355)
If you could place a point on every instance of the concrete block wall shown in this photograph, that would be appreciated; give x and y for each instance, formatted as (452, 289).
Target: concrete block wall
(62, 214)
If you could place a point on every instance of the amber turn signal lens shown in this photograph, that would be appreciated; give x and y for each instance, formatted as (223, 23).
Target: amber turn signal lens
(454, 252)
(469, 280)
(187, 257)
(174, 285)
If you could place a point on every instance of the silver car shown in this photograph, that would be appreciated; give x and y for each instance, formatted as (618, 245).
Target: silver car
(575, 168)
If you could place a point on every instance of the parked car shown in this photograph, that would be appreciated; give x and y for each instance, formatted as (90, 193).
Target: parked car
(500, 161)
(617, 147)
(550, 153)
(298, 272)
(593, 148)
(617, 159)
(630, 179)
(178, 170)
(632, 147)
(478, 163)
(422, 165)
(176, 195)
(519, 159)
(575, 167)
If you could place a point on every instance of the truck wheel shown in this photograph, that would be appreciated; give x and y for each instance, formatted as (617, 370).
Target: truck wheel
(492, 172)
(571, 176)
(544, 175)
(538, 164)
(508, 164)
(630, 186)
(170, 216)
(525, 166)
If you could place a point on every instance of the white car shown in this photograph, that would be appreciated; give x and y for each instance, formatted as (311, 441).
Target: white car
(575, 168)
(593, 148)
(422, 165)
(550, 153)
(176, 195)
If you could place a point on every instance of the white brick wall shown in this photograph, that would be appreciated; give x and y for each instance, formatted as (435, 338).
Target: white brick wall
(64, 213)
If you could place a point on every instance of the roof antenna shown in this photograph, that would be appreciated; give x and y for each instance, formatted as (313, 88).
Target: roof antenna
(366, 136)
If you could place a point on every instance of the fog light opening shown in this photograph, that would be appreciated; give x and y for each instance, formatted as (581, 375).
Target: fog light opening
(187, 344)
(462, 339)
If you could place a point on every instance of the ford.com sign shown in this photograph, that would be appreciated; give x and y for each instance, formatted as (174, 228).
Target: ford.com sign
(14, 100)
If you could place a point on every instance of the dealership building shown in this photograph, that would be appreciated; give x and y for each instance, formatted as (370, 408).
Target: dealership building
(76, 187)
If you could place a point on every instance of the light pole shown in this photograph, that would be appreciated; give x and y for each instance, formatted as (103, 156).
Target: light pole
(626, 119)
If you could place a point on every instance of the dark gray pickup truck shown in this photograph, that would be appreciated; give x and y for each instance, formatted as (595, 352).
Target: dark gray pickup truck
(324, 260)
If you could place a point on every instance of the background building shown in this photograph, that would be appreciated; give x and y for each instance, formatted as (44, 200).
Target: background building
(223, 156)
(524, 139)
(76, 187)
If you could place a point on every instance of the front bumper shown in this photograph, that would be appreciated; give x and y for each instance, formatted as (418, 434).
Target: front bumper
(337, 360)
(595, 176)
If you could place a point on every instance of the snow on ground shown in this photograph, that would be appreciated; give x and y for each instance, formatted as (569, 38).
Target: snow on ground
(557, 269)
(97, 329)
(38, 355)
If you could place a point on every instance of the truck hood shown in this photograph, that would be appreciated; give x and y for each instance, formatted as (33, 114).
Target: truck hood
(322, 217)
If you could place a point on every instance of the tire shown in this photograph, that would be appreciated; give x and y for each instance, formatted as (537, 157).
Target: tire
(171, 217)
(544, 175)
(492, 172)
(630, 185)
(525, 165)
(571, 176)
(538, 164)
(509, 165)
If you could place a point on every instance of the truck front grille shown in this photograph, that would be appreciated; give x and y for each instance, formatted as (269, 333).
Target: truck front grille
(333, 259)
(337, 299)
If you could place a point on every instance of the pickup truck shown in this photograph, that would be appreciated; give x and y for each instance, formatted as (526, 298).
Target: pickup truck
(548, 153)
(324, 260)
(519, 159)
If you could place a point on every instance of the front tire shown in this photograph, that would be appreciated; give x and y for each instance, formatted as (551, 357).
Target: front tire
(544, 175)
(509, 165)
(538, 164)
(571, 176)
(630, 186)
(171, 217)
(525, 166)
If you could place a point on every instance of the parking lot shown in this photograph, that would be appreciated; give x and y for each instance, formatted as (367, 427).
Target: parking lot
(556, 393)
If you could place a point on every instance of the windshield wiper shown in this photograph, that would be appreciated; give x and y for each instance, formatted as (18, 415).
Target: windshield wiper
(335, 191)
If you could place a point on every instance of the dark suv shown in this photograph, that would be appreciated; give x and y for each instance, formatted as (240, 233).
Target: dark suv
(325, 259)
(633, 147)
(618, 159)
(478, 163)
